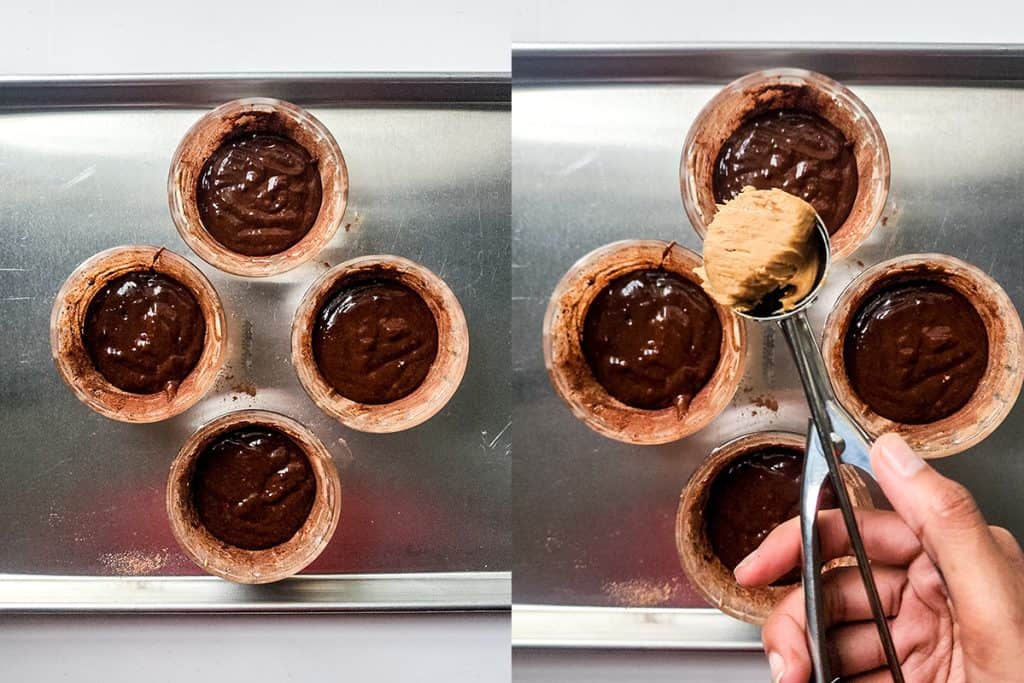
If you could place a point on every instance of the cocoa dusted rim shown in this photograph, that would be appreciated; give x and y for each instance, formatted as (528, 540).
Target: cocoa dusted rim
(705, 571)
(999, 386)
(256, 115)
(253, 566)
(75, 365)
(802, 90)
(445, 373)
(572, 376)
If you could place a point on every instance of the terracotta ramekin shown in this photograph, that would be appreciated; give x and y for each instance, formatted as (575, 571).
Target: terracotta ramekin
(253, 566)
(251, 115)
(575, 382)
(999, 386)
(706, 572)
(441, 381)
(774, 89)
(76, 367)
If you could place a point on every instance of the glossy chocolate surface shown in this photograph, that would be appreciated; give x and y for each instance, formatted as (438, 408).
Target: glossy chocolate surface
(652, 339)
(259, 194)
(144, 332)
(375, 340)
(795, 151)
(253, 488)
(752, 496)
(916, 351)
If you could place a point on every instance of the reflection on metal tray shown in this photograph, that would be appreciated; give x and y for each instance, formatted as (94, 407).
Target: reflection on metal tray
(425, 514)
(596, 142)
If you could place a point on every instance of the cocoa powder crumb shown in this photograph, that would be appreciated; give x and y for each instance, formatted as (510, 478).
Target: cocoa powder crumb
(133, 562)
(640, 592)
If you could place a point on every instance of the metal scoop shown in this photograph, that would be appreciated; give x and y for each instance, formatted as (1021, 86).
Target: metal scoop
(833, 436)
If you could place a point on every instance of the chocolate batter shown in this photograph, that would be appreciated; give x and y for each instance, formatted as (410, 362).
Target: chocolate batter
(259, 194)
(375, 340)
(144, 332)
(253, 488)
(795, 151)
(652, 339)
(752, 496)
(916, 351)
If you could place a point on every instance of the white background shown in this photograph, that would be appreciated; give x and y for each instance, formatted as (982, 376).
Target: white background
(255, 649)
(108, 36)
(905, 21)
(54, 37)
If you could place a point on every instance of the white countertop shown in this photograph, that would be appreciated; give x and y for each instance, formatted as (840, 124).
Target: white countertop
(204, 36)
(281, 648)
(733, 21)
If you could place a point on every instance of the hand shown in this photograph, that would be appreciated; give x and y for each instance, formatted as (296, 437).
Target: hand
(952, 586)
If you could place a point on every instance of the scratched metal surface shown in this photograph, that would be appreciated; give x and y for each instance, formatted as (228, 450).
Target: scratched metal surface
(429, 169)
(596, 143)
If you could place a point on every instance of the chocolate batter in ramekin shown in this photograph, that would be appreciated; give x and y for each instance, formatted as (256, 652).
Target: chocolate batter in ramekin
(752, 496)
(257, 186)
(652, 339)
(144, 332)
(796, 130)
(792, 150)
(942, 366)
(138, 333)
(634, 347)
(253, 497)
(259, 193)
(742, 491)
(253, 487)
(380, 343)
(374, 340)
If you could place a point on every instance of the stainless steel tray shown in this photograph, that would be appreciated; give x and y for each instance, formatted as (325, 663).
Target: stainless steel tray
(596, 143)
(425, 517)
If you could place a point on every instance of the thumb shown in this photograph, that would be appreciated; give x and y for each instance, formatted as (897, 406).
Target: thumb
(943, 514)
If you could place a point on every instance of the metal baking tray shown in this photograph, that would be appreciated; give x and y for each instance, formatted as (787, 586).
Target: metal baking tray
(425, 513)
(596, 142)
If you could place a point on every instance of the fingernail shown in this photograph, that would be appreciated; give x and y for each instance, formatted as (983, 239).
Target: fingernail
(899, 456)
(778, 666)
(745, 561)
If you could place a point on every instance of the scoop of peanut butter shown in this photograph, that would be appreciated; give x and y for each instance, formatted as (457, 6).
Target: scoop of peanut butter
(760, 243)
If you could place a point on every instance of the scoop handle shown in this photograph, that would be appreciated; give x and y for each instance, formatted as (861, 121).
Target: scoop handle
(831, 443)
(815, 472)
